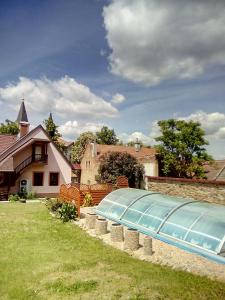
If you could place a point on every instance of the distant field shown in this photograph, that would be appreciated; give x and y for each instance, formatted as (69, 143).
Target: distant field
(41, 258)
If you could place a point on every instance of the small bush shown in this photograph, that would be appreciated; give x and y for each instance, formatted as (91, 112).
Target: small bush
(87, 200)
(23, 194)
(31, 195)
(67, 212)
(53, 204)
(14, 198)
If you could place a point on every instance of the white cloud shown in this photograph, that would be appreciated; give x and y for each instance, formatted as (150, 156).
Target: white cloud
(72, 129)
(125, 137)
(221, 133)
(65, 97)
(155, 40)
(118, 98)
(212, 123)
(103, 52)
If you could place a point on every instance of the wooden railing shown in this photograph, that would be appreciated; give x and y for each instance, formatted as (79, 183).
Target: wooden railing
(75, 193)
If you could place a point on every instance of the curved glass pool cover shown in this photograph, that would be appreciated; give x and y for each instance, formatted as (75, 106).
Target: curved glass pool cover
(192, 225)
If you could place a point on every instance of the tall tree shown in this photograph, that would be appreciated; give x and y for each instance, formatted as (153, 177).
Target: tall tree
(80, 145)
(114, 164)
(106, 136)
(53, 132)
(181, 152)
(9, 127)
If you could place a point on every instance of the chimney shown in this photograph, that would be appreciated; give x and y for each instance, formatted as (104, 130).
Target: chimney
(22, 120)
(137, 145)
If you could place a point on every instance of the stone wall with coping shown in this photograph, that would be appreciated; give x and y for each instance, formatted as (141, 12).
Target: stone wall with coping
(205, 190)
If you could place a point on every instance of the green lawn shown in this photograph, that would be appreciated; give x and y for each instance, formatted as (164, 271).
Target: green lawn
(41, 258)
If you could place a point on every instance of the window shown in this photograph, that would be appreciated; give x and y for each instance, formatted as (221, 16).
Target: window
(53, 179)
(38, 178)
(88, 164)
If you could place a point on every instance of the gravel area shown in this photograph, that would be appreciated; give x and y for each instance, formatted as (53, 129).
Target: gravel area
(164, 254)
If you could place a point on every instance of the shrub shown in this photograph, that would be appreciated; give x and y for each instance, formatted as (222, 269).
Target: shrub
(67, 212)
(14, 198)
(23, 194)
(115, 164)
(53, 204)
(87, 200)
(31, 195)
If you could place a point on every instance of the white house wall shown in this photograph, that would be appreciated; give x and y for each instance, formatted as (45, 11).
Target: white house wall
(56, 163)
(151, 168)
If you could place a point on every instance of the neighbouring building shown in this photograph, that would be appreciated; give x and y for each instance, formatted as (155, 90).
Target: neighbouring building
(91, 159)
(31, 162)
(215, 170)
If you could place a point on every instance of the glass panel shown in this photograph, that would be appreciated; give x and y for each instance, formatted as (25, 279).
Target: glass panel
(211, 226)
(159, 210)
(126, 196)
(143, 203)
(202, 241)
(115, 211)
(132, 216)
(174, 231)
(183, 216)
(104, 206)
(149, 222)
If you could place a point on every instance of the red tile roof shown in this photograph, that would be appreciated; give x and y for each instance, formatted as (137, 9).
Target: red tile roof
(142, 153)
(6, 141)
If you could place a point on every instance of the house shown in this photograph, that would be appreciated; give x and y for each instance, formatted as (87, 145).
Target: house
(31, 161)
(91, 159)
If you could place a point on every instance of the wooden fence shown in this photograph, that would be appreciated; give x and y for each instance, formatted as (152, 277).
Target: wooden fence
(75, 193)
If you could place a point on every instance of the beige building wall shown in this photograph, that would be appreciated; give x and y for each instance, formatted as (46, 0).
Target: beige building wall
(89, 166)
(151, 168)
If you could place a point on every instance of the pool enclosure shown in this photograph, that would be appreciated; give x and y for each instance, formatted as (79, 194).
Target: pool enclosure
(196, 226)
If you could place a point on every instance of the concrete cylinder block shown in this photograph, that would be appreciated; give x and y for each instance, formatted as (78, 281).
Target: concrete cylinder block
(116, 232)
(91, 220)
(101, 226)
(147, 245)
(131, 240)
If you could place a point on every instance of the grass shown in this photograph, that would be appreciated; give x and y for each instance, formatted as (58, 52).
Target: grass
(41, 258)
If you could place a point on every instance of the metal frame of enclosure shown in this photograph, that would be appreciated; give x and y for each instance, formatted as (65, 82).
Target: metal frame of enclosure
(195, 226)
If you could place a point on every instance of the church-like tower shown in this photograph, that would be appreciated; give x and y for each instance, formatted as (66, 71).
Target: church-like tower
(22, 120)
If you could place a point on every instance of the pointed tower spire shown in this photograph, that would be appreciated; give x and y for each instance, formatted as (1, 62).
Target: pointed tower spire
(22, 120)
(22, 115)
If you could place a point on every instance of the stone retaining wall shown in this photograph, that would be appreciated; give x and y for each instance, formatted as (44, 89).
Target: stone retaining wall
(198, 191)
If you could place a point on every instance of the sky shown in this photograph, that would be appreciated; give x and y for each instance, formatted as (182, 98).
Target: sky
(125, 64)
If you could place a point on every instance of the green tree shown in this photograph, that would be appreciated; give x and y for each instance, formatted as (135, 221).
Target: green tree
(52, 130)
(181, 152)
(114, 164)
(9, 127)
(80, 145)
(106, 136)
